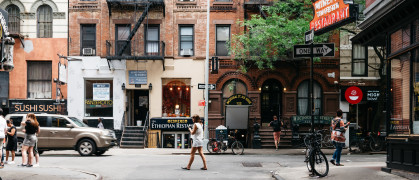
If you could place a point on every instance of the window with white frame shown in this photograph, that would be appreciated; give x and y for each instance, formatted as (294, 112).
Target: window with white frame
(152, 40)
(39, 79)
(186, 40)
(44, 17)
(88, 38)
(222, 36)
(303, 98)
(359, 60)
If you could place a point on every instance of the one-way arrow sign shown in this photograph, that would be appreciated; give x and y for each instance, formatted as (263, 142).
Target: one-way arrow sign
(210, 86)
(319, 50)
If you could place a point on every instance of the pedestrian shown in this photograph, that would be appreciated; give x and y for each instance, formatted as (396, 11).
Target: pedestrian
(100, 125)
(3, 129)
(276, 124)
(338, 128)
(11, 142)
(35, 148)
(198, 142)
(31, 127)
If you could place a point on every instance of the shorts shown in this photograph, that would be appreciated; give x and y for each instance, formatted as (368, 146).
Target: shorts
(277, 135)
(30, 140)
(35, 148)
(11, 145)
(198, 143)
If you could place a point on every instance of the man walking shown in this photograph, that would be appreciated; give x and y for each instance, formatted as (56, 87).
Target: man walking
(3, 129)
(276, 124)
(100, 124)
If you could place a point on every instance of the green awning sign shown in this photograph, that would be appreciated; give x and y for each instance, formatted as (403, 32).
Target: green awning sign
(307, 119)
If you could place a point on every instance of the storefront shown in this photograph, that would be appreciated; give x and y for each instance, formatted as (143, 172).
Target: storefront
(38, 106)
(172, 131)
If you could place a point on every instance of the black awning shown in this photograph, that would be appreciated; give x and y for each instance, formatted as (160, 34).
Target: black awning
(386, 19)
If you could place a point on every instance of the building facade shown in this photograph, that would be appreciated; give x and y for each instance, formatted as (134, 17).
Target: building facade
(39, 29)
(394, 26)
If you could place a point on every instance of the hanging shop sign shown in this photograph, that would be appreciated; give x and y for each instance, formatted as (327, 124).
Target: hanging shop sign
(137, 77)
(178, 124)
(370, 93)
(239, 99)
(307, 119)
(101, 91)
(331, 14)
(36, 106)
(4, 18)
(353, 95)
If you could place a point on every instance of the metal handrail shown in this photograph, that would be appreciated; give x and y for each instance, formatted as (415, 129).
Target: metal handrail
(145, 128)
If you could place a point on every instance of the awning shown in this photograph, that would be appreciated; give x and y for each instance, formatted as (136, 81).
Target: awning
(386, 19)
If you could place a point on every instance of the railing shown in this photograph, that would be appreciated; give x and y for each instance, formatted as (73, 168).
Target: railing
(135, 49)
(145, 128)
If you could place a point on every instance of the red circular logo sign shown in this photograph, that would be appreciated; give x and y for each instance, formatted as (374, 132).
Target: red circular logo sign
(353, 95)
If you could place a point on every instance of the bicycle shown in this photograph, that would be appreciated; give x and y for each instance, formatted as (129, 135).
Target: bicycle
(215, 146)
(316, 159)
(377, 143)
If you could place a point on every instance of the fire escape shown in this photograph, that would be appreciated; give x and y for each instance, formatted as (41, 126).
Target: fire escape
(135, 47)
(252, 6)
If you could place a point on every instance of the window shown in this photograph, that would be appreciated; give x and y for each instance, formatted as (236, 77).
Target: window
(359, 60)
(401, 93)
(152, 40)
(59, 122)
(176, 98)
(122, 33)
(88, 37)
(303, 98)
(233, 87)
(98, 98)
(44, 17)
(39, 79)
(186, 41)
(415, 93)
(43, 121)
(223, 35)
(14, 19)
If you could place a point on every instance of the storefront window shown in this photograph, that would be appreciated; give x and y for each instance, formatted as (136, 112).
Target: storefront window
(400, 94)
(415, 93)
(98, 98)
(176, 98)
(303, 98)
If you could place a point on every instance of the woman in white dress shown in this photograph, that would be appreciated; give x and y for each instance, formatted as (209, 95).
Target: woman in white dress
(198, 142)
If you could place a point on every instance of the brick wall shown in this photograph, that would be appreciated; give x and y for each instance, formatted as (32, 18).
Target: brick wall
(368, 3)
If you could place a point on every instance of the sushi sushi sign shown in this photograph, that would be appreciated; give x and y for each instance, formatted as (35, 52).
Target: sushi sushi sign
(353, 95)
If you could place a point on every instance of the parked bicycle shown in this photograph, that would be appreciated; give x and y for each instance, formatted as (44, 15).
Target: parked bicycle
(377, 142)
(216, 146)
(316, 160)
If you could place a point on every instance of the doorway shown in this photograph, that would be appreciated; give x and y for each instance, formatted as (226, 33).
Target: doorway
(271, 98)
(138, 107)
(177, 140)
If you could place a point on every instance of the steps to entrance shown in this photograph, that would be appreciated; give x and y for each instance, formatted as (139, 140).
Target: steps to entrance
(132, 137)
(267, 138)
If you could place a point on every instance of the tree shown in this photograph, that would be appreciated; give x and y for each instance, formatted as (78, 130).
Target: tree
(271, 38)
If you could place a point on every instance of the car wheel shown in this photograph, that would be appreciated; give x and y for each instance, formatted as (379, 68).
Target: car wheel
(40, 152)
(99, 153)
(86, 147)
(18, 152)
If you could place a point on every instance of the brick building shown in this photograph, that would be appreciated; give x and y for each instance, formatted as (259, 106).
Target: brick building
(39, 29)
(393, 25)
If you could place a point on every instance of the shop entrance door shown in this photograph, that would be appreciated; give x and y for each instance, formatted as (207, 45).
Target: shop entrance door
(138, 107)
(271, 98)
(177, 140)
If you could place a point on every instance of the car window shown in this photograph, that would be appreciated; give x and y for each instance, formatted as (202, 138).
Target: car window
(16, 120)
(59, 122)
(78, 122)
(42, 120)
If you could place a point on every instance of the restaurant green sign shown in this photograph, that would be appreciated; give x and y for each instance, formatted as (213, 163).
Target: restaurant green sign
(307, 119)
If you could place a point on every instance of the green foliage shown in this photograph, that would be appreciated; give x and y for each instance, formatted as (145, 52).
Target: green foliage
(266, 41)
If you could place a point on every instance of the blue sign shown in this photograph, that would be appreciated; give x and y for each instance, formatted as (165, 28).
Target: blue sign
(101, 91)
(137, 77)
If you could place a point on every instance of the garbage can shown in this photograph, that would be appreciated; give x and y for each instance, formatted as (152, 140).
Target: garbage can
(139, 122)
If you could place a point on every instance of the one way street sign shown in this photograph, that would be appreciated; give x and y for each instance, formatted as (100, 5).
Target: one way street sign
(319, 50)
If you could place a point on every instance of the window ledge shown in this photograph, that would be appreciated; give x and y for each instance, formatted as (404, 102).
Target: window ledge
(225, 58)
(222, 3)
(186, 3)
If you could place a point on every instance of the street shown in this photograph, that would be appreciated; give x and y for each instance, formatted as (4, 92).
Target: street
(166, 164)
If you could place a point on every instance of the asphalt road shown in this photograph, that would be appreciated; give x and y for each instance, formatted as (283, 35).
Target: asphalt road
(166, 164)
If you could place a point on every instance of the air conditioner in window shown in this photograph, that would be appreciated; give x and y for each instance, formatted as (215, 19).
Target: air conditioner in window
(186, 52)
(88, 51)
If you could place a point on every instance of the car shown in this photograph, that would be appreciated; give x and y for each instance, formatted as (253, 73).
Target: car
(61, 132)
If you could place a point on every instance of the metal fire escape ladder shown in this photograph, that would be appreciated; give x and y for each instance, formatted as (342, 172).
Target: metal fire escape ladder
(137, 25)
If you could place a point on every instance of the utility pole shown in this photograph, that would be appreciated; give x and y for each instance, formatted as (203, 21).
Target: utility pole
(206, 76)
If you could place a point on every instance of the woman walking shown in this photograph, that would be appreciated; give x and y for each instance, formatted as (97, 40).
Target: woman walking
(31, 127)
(198, 142)
(338, 137)
(11, 142)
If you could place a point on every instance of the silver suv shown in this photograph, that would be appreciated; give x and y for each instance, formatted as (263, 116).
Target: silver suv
(60, 132)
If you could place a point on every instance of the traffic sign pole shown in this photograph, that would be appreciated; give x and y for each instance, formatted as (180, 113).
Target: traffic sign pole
(311, 87)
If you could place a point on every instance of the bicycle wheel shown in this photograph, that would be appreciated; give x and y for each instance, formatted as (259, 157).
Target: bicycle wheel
(237, 148)
(213, 147)
(376, 144)
(327, 142)
(307, 161)
(318, 162)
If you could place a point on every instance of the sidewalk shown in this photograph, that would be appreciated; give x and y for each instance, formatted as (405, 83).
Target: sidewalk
(43, 173)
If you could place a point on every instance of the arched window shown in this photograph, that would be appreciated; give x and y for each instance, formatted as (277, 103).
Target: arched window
(44, 17)
(14, 19)
(233, 87)
(303, 98)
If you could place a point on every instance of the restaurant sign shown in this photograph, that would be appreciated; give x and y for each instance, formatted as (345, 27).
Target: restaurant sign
(239, 99)
(331, 14)
(179, 124)
(36, 106)
(307, 119)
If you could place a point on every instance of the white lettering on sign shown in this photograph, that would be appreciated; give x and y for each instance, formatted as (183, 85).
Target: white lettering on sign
(4, 25)
(316, 50)
(328, 12)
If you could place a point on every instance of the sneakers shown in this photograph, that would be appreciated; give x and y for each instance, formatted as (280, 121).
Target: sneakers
(10, 162)
(276, 149)
(22, 165)
(29, 165)
(36, 165)
(339, 164)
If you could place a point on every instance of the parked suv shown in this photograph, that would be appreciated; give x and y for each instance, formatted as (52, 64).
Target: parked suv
(60, 132)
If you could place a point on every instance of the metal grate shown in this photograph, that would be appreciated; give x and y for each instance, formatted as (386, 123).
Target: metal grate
(251, 164)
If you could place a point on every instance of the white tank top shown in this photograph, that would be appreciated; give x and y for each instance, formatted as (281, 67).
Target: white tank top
(199, 134)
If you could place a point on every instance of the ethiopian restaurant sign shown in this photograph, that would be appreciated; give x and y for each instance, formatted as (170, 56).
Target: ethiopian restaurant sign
(330, 14)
